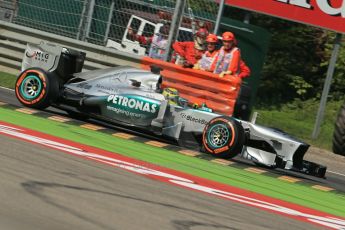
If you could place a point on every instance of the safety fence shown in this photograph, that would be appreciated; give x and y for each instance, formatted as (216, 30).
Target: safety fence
(199, 87)
(96, 21)
(13, 40)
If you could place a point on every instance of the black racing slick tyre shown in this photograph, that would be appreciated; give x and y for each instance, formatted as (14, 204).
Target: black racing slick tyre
(339, 133)
(223, 137)
(36, 88)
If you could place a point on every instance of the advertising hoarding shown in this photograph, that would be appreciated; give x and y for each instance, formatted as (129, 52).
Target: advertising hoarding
(328, 14)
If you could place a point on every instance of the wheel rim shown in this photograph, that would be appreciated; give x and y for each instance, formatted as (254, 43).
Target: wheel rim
(218, 136)
(31, 87)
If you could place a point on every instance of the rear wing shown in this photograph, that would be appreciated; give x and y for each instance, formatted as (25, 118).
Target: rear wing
(53, 58)
(44, 55)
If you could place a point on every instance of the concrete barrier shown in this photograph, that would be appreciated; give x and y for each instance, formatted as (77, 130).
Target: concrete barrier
(13, 40)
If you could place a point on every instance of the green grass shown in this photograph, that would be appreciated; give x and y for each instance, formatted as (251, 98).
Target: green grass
(7, 80)
(296, 118)
(302, 194)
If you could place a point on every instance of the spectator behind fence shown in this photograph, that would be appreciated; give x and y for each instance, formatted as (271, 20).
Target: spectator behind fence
(244, 70)
(190, 52)
(209, 56)
(158, 42)
(228, 59)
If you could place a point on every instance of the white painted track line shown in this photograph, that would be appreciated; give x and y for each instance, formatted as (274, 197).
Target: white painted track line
(336, 173)
(6, 88)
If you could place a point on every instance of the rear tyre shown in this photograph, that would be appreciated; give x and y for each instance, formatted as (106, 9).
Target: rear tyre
(223, 137)
(339, 133)
(36, 88)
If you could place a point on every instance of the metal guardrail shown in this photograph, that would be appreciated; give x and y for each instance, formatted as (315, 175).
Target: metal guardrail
(13, 40)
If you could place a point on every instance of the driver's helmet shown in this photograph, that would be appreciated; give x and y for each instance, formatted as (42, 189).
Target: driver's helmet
(171, 95)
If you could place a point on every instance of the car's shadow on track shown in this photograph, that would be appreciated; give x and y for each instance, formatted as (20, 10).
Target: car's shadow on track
(176, 146)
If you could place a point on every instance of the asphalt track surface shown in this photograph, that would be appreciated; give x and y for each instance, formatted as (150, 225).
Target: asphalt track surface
(46, 189)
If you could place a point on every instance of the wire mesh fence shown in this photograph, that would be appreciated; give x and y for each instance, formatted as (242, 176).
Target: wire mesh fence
(61, 17)
(96, 21)
(7, 10)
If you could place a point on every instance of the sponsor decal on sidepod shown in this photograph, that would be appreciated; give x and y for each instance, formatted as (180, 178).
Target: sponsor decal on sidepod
(132, 103)
(193, 119)
(173, 177)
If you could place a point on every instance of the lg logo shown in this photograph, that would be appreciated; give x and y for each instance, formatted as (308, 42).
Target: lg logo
(324, 5)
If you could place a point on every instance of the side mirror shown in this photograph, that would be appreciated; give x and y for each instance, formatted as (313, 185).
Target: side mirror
(135, 83)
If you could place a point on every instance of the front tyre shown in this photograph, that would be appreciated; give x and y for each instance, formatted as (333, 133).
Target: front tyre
(339, 133)
(36, 88)
(223, 137)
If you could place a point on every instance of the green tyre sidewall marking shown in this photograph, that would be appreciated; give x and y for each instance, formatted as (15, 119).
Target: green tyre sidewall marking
(22, 85)
(209, 138)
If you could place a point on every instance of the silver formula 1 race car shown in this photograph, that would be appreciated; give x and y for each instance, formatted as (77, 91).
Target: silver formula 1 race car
(51, 76)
